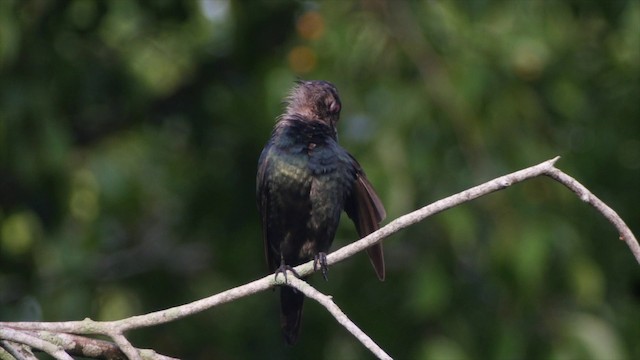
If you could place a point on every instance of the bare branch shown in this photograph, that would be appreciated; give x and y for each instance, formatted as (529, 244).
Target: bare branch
(437, 207)
(77, 345)
(116, 329)
(81, 346)
(178, 312)
(15, 351)
(326, 301)
(125, 346)
(4, 354)
(34, 342)
(585, 195)
(88, 326)
(546, 168)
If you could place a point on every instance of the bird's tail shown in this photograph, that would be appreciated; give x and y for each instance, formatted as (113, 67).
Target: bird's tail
(290, 313)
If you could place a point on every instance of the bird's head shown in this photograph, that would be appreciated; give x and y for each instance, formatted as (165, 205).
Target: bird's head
(317, 100)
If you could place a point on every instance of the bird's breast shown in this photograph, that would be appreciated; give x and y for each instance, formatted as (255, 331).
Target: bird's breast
(292, 172)
(299, 163)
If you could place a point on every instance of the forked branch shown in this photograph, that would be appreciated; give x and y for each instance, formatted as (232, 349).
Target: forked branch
(23, 332)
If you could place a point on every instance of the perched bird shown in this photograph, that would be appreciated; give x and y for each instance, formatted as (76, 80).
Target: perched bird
(305, 180)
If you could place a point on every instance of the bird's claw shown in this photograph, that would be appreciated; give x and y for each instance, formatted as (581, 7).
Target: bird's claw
(283, 269)
(321, 260)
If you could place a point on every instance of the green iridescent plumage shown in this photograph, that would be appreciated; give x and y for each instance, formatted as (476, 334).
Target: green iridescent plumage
(305, 180)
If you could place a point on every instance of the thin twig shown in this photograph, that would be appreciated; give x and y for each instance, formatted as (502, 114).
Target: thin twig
(15, 351)
(4, 354)
(125, 346)
(546, 168)
(83, 346)
(34, 342)
(326, 301)
(88, 326)
(585, 195)
(76, 345)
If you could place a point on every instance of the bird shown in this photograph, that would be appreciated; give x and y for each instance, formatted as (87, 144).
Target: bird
(305, 179)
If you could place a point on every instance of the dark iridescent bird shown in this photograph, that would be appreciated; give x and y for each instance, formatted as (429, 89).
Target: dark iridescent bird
(305, 180)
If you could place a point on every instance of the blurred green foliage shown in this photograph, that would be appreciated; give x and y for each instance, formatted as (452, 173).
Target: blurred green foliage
(130, 132)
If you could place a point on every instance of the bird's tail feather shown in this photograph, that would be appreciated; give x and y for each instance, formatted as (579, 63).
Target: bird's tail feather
(290, 313)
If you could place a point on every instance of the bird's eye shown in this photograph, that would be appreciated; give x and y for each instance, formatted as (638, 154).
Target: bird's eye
(334, 106)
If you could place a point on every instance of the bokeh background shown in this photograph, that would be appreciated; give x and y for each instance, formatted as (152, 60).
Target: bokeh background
(130, 132)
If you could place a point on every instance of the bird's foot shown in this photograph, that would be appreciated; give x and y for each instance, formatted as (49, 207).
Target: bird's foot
(321, 260)
(283, 270)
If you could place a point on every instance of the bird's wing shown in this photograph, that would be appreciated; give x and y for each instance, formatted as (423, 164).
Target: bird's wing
(262, 196)
(364, 207)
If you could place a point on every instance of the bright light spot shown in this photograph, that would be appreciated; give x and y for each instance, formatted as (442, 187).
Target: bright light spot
(215, 10)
